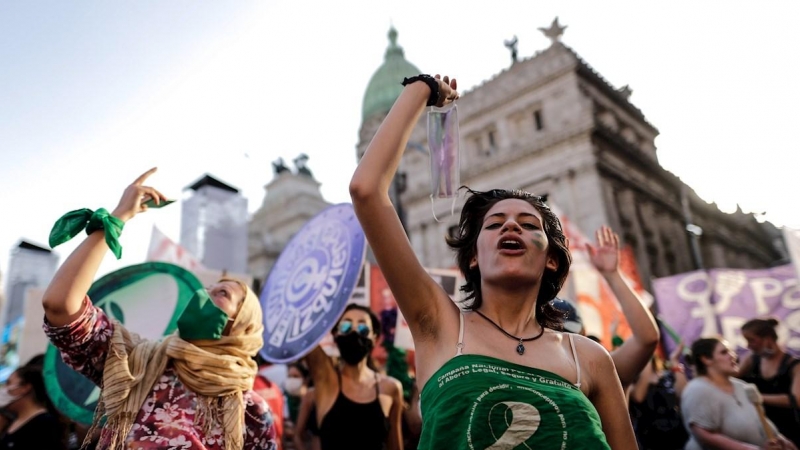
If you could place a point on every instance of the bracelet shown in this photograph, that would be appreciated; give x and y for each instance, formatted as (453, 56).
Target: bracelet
(73, 222)
(431, 82)
(677, 368)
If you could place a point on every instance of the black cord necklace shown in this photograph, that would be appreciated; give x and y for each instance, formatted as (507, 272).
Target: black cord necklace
(520, 347)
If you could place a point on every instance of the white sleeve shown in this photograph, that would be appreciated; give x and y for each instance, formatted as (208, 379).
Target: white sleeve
(700, 408)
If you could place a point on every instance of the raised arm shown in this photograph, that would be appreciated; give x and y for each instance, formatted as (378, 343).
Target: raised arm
(303, 416)
(635, 353)
(639, 391)
(326, 383)
(420, 299)
(63, 298)
(678, 369)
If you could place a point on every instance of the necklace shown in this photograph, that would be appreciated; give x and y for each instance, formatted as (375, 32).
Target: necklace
(520, 347)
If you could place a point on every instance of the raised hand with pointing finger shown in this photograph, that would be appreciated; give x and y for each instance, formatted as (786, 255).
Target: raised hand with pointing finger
(206, 370)
(63, 299)
(135, 196)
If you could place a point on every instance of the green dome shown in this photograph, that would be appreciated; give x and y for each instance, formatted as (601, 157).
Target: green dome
(384, 86)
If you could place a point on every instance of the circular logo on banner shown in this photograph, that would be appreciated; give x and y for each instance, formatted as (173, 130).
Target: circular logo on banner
(148, 299)
(310, 284)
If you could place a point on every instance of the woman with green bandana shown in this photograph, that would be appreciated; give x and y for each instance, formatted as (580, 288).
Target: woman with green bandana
(190, 390)
(500, 374)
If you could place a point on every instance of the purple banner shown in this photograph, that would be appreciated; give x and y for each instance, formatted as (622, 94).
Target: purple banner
(718, 301)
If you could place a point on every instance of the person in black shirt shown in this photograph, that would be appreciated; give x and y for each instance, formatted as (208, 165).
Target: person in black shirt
(356, 407)
(34, 425)
(655, 404)
(775, 373)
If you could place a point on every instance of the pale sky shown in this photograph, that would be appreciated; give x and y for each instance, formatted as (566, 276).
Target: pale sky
(94, 93)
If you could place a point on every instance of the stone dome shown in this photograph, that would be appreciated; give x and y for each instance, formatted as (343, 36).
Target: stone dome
(384, 86)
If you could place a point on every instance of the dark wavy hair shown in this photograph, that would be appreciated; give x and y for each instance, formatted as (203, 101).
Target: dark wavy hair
(464, 243)
(703, 348)
(762, 327)
(31, 375)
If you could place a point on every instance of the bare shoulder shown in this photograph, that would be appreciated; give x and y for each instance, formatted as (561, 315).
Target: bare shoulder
(590, 348)
(593, 356)
(389, 385)
(597, 364)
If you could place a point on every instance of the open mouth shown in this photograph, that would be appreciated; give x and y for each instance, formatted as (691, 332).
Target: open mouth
(510, 244)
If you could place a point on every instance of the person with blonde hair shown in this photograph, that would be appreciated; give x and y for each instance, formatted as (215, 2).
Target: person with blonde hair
(192, 389)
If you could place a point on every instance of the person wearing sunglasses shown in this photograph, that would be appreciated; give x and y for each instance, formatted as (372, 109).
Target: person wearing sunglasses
(356, 407)
(500, 373)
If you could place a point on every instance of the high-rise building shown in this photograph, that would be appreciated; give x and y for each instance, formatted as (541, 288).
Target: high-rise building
(214, 225)
(30, 266)
(551, 124)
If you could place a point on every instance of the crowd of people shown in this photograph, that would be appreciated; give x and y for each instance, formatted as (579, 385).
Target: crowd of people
(508, 367)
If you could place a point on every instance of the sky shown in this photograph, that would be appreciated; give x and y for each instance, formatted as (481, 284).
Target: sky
(94, 93)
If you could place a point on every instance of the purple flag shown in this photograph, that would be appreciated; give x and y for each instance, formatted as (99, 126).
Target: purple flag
(718, 301)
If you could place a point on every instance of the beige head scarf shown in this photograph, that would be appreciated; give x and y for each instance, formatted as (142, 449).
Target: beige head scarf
(218, 371)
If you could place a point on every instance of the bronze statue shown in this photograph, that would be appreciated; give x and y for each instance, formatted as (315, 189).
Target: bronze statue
(300, 164)
(512, 45)
(279, 166)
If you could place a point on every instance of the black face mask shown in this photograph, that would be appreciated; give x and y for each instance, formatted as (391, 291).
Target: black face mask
(353, 347)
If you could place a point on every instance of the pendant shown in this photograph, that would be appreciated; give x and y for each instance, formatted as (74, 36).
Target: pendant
(520, 348)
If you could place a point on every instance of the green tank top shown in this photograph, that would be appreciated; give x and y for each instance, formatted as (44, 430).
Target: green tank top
(480, 402)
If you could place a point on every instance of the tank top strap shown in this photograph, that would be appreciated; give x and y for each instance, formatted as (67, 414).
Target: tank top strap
(787, 363)
(460, 344)
(575, 357)
(377, 387)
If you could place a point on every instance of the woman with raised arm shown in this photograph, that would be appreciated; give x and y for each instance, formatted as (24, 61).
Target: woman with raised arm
(191, 389)
(635, 353)
(498, 375)
(355, 406)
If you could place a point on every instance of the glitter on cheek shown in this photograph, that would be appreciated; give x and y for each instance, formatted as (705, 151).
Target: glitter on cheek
(539, 240)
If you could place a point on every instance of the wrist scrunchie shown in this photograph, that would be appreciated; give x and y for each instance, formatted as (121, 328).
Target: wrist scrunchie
(73, 222)
(433, 100)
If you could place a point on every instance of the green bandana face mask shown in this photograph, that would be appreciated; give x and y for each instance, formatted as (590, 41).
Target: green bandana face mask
(201, 319)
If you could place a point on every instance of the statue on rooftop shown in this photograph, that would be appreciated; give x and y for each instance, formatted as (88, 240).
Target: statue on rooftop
(512, 46)
(278, 166)
(300, 164)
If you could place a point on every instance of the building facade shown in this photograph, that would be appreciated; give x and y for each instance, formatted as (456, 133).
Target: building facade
(292, 199)
(30, 269)
(551, 125)
(30, 266)
(214, 225)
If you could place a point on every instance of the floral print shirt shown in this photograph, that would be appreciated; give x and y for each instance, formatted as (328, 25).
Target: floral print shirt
(166, 420)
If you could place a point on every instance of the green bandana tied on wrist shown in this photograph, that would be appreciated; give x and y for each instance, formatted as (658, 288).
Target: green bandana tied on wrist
(71, 223)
